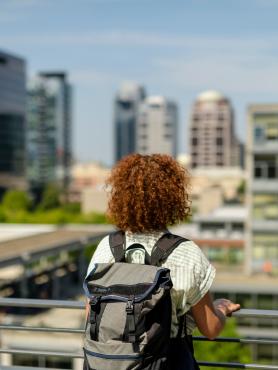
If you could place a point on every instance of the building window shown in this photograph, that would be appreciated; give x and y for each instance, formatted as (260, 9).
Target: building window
(258, 134)
(194, 141)
(143, 137)
(143, 124)
(219, 141)
(155, 106)
(272, 131)
(3, 60)
(167, 136)
(258, 171)
(265, 166)
(272, 171)
(125, 104)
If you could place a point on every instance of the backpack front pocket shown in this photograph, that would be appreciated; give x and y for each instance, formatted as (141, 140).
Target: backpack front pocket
(114, 355)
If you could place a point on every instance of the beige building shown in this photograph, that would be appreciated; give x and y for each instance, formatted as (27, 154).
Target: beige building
(87, 176)
(212, 136)
(210, 187)
(94, 200)
(262, 189)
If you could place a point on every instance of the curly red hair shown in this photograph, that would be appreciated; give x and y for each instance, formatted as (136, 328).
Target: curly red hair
(147, 193)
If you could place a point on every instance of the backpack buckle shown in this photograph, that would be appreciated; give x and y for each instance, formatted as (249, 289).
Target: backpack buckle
(94, 301)
(130, 306)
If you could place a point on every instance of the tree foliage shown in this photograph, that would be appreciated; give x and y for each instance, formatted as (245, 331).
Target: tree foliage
(50, 198)
(17, 207)
(15, 200)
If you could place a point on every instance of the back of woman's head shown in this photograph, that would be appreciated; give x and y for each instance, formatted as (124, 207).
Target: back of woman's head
(148, 192)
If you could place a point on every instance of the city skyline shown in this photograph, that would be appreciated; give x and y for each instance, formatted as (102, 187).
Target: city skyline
(176, 50)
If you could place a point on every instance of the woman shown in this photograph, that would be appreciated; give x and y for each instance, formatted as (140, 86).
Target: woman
(147, 194)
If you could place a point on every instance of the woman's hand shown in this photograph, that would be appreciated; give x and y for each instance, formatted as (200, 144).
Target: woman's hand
(225, 306)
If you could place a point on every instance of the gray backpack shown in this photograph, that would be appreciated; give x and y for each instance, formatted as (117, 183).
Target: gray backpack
(129, 321)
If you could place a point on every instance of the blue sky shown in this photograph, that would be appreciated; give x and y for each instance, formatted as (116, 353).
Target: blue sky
(176, 48)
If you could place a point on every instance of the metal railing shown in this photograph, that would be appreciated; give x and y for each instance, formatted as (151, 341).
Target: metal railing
(78, 305)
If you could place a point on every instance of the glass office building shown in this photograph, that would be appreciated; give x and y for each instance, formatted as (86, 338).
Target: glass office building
(127, 103)
(49, 131)
(12, 122)
(262, 194)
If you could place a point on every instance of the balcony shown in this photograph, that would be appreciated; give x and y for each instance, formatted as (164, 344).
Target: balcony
(265, 186)
(49, 344)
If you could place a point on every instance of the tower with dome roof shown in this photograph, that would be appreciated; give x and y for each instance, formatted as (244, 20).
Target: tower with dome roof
(213, 141)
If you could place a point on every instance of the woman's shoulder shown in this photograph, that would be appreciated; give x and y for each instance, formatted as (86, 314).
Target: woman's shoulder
(187, 252)
(102, 253)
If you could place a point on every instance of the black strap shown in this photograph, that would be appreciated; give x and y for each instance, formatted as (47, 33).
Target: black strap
(94, 311)
(182, 328)
(161, 250)
(117, 245)
(164, 247)
(182, 325)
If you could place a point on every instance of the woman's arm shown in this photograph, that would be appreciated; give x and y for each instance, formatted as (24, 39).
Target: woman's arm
(210, 316)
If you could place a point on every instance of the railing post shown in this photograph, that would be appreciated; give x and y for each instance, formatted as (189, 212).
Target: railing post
(24, 283)
(77, 364)
(5, 359)
(55, 285)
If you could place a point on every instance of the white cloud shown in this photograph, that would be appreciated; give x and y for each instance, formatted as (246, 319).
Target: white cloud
(143, 39)
(232, 64)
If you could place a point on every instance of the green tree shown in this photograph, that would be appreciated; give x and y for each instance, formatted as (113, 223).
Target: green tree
(212, 351)
(15, 200)
(50, 198)
(241, 188)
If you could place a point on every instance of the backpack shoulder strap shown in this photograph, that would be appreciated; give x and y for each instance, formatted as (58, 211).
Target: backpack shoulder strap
(164, 247)
(117, 245)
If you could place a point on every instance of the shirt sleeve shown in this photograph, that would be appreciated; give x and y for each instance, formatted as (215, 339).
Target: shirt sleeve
(203, 274)
(102, 254)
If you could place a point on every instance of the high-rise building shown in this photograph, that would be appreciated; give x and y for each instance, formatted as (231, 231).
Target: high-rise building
(12, 122)
(262, 189)
(127, 103)
(213, 142)
(49, 131)
(157, 127)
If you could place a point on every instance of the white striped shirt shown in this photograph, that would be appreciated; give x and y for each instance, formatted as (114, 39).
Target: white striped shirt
(191, 272)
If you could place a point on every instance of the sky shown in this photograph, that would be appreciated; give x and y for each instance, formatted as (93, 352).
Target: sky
(175, 48)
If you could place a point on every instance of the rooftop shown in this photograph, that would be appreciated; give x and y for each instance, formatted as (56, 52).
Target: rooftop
(210, 96)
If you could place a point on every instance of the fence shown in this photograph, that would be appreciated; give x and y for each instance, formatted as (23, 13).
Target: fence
(77, 305)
